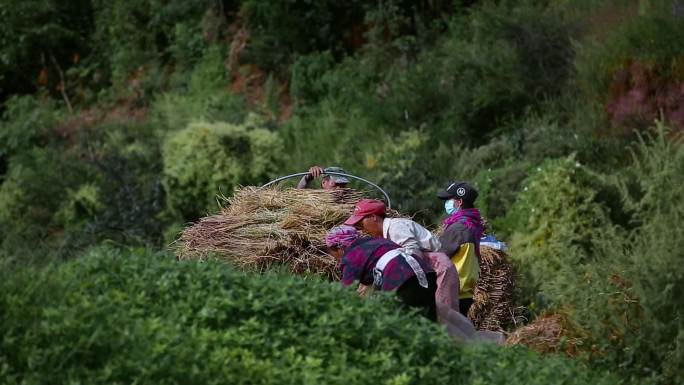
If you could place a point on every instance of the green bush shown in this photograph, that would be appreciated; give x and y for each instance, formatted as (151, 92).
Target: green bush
(126, 187)
(26, 121)
(492, 65)
(199, 94)
(634, 314)
(33, 198)
(606, 249)
(137, 317)
(405, 167)
(206, 159)
(556, 222)
(134, 34)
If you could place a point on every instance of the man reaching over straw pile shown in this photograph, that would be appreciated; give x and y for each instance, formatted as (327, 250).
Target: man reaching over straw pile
(328, 182)
(370, 215)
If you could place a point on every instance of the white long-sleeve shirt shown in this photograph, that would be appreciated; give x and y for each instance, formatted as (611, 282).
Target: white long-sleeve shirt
(412, 237)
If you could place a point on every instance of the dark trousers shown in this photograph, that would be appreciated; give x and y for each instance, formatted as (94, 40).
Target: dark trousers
(413, 295)
(464, 305)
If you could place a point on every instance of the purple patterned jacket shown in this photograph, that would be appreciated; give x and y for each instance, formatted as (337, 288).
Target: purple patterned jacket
(361, 256)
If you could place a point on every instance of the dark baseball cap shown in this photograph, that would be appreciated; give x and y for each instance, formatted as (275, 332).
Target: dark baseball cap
(459, 190)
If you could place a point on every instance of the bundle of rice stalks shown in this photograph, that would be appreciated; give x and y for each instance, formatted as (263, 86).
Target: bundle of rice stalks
(549, 333)
(494, 303)
(257, 228)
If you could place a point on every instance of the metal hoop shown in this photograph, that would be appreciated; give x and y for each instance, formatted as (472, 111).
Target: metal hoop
(387, 198)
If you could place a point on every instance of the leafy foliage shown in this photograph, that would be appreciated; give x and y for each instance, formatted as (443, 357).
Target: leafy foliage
(32, 197)
(122, 120)
(26, 122)
(621, 285)
(133, 316)
(207, 159)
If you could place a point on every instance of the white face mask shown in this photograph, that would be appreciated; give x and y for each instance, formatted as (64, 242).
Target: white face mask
(449, 207)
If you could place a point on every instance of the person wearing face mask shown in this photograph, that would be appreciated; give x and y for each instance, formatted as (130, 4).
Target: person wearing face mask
(463, 229)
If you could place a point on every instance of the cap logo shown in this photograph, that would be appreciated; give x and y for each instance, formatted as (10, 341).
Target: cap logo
(460, 191)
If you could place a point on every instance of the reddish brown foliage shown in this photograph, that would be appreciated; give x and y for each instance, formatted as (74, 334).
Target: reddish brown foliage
(639, 93)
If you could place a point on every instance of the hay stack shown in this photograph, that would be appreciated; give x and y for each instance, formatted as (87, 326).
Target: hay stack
(549, 333)
(258, 228)
(494, 303)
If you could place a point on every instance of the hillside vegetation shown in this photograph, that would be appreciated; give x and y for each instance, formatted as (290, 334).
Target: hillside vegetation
(121, 122)
(151, 319)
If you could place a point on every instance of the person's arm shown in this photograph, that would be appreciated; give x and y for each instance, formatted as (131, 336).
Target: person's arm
(426, 240)
(304, 182)
(352, 267)
(314, 172)
(452, 239)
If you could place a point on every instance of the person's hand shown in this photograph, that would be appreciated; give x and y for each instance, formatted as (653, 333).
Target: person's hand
(361, 290)
(315, 171)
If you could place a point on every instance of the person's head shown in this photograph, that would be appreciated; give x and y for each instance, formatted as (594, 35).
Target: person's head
(368, 216)
(458, 195)
(329, 182)
(339, 238)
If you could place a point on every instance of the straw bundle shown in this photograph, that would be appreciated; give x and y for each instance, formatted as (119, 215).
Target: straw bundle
(548, 333)
(257, 228)
(494, 303)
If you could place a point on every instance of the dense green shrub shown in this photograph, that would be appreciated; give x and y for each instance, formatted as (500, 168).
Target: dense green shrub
(491, 65)
(200, 94)
(412, 171)
(280, 31)
(34, 36)
(556, 221)
(26, 121)
(129, 317)
(621, 285)
(494, 64)
(135, 34)
(634, 314)
(34, 196)
(207, 159)
(126, 162)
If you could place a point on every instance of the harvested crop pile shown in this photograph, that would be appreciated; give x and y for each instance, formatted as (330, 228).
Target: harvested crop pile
(549, 333)
(494, 302)
(258, 228)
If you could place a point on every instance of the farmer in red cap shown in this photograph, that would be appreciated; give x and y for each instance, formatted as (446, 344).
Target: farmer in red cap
(384, 265)
(371, 217)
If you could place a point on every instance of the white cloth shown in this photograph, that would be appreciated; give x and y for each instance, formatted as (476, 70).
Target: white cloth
(390, 255)
(412, 237)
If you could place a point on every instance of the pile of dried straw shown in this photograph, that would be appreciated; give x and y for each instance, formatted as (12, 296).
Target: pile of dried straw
(494, 303)
(549, 333)
(258, 228)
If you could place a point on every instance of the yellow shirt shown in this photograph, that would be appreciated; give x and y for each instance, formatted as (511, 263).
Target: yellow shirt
(468, 268)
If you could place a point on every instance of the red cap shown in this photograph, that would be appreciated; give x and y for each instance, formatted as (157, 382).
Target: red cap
(364, 208)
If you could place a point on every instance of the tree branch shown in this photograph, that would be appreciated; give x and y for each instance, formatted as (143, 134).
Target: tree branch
(62, 85)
